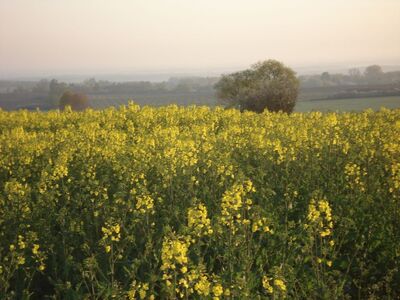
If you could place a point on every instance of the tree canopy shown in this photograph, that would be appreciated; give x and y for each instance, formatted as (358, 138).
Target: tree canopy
(266, 85)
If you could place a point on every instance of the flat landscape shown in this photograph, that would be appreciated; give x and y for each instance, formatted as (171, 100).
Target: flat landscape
(200, 150)
(351, 104)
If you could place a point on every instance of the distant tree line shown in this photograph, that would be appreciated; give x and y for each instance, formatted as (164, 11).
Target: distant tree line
(371, 81)
(372, 75)
(55, 88)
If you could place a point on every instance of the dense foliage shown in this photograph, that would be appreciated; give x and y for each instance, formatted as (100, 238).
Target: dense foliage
(199, 203)
(76, 101)
(266, 85)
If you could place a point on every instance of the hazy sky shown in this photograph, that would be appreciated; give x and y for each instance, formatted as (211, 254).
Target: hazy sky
(78, 36)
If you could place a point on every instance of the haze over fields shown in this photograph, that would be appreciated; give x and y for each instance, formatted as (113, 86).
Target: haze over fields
(160, 52)
(48, 38)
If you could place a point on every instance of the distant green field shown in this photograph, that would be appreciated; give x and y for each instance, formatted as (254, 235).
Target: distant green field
(351, 104)
(153, 99)
(348, 104)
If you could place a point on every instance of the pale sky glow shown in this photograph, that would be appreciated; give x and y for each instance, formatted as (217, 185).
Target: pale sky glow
(151, 35)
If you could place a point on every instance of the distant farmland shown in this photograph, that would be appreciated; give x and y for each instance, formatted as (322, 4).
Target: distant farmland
(307, 101)
(350, 104)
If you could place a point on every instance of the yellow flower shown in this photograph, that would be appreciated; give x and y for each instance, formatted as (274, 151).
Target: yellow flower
(325, 232)
(266, 285)
(21, 242)
(145, 204)
(131, 294)
(20, 260)
(184, 283)
(259, 224)
(218, 290)
(116, 228)
(35, 249)
(111, 232)
(203, 286)
(143, 290)
(108, 249)
(280, 284)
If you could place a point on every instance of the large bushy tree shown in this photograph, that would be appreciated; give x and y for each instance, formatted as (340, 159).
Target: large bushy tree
(266, 85)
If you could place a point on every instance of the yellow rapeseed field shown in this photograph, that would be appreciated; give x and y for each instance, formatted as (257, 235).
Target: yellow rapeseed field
(199, 203)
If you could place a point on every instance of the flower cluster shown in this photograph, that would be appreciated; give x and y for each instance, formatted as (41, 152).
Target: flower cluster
(140, 289)
(18, 250)
(234, 205)
(205, 285)
(111, 233)
(39, 257)
(320, 216)
(174, 253)
(320, 222)
(198, 222)
(145, 204)
(260, 224)
(354, 175)
(175, 263)
(271, 285)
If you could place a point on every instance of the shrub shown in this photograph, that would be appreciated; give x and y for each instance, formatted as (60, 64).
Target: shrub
(76, 101)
